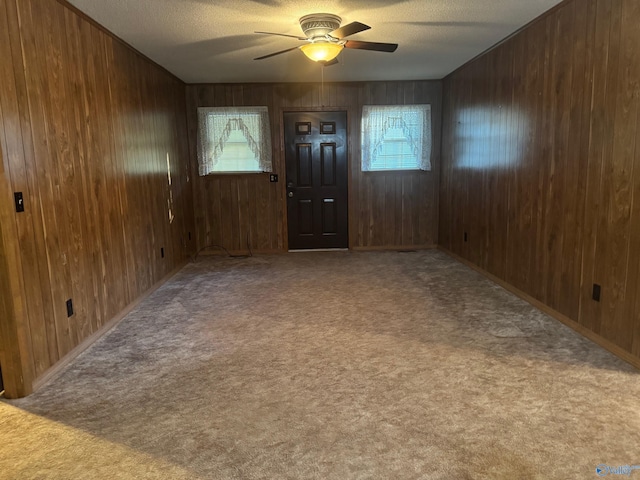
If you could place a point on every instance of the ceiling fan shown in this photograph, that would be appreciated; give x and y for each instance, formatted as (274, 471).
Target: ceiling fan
(326, 39)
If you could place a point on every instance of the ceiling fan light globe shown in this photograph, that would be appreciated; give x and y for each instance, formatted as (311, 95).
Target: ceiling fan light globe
(321, 52)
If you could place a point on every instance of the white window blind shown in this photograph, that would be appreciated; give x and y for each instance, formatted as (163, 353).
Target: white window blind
(234, 140)
(396, 137)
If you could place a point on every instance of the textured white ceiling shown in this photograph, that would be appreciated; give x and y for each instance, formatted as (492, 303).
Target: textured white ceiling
(211, 41)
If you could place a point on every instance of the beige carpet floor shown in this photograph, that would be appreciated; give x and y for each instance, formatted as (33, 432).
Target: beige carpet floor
(330, 366)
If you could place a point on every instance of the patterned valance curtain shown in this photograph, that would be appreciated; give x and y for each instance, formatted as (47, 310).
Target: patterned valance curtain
(401, 129)
(215, 125)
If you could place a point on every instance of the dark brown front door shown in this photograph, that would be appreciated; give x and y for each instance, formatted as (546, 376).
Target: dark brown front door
(316, 158)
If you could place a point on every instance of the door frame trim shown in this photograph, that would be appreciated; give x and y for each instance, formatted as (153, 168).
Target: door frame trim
(283, 167)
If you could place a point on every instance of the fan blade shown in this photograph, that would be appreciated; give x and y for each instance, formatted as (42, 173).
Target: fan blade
(375, 46)
(276, 53)
(282, 35)
(351, 29)
(330, 62)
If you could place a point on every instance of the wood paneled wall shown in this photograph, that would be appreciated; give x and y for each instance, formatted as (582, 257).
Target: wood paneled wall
(541, 165)
(17, 371)
(87, 127)
(386, 210)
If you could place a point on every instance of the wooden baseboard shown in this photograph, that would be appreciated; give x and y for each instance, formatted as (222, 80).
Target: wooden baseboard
(221, 253)
(585, 332)
(56, 369)
(386, 248)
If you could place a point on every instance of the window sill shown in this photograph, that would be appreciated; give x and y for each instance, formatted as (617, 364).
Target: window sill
(400, 170)
(213, 174)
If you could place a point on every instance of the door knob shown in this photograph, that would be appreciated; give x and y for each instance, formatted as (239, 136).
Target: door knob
(290, 194)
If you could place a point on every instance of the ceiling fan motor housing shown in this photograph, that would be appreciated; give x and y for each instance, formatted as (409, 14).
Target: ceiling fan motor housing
(319, 24)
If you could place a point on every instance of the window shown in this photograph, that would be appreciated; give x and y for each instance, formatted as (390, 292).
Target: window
(396, 137)
(234, 140)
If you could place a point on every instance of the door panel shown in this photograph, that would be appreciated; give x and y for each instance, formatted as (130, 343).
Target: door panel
(305, 169)
(329, 217)
(305, 216)
(328, 161)
(317, 179)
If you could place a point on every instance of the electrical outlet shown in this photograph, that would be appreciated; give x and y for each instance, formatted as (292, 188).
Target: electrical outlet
(596, 292)
(19, 202)
(273, 178)
(69, 308)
